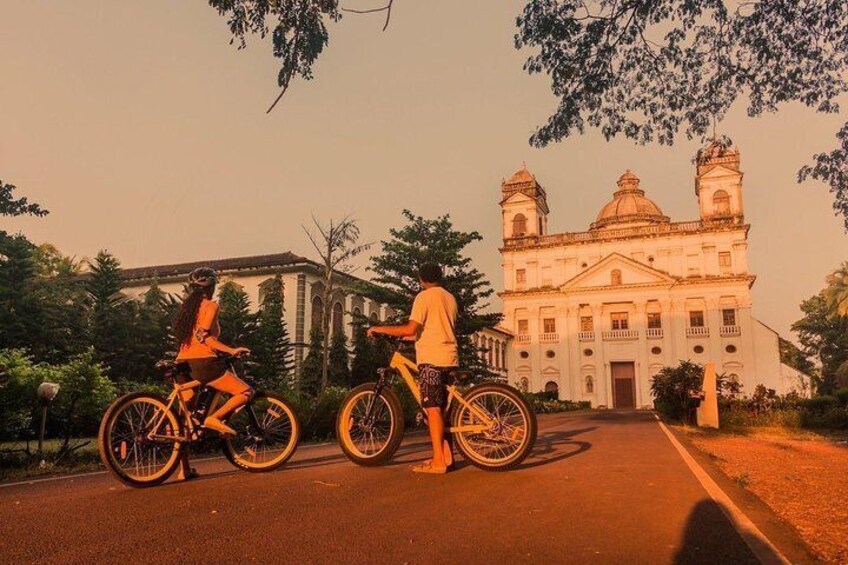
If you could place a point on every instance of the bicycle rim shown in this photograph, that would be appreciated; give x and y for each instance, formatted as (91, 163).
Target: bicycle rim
(269, 445)
(367, 438)
(501, 441)
(131, 452)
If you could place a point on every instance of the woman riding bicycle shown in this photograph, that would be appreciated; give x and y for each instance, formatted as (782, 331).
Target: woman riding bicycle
(196, 329)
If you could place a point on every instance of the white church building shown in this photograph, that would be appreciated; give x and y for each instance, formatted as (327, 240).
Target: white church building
(597, 313)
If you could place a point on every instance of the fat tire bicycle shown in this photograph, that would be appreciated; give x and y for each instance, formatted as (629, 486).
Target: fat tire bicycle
(492, 424)
(142, 435)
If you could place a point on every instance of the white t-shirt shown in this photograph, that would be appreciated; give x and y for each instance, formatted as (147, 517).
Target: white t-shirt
(435, 309)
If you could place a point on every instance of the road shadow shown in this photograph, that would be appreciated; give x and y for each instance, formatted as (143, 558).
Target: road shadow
(620, 416)
(709, 537)
(556, 445)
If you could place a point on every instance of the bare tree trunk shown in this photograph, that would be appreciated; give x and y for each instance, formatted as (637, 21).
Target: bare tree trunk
(336, 244)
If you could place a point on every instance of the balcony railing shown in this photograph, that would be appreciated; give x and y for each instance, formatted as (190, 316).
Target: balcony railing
(550, 337)
(523, 338)
(586, 336)
(698, 331)
(730, 331)
(654, 333)
(620, 335)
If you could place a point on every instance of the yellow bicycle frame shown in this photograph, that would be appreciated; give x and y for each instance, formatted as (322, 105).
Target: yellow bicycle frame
(406, 368)
(184, 412)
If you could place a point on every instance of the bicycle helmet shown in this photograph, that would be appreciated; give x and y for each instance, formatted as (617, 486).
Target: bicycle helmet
(203, 277)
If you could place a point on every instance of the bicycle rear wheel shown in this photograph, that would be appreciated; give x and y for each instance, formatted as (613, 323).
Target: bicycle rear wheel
(508, 440)
(125, 448)
(267, 442)
(373, 439)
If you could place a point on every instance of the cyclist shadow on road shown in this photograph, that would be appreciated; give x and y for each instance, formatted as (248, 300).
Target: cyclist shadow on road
(556, 445)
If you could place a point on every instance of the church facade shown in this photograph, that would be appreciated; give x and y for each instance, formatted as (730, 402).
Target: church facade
(597, 313)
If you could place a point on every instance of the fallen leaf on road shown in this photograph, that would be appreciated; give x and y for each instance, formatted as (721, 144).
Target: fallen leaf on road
(326, 484)
(214, 512)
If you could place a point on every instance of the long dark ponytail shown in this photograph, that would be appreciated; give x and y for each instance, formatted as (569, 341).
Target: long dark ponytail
(187, 314)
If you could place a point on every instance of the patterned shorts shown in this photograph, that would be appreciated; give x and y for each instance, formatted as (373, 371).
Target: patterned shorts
(432, 382)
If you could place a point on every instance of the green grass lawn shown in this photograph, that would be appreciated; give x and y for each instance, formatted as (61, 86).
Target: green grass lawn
(16, 464)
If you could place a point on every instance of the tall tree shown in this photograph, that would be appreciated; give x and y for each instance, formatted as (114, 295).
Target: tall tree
(238, 323)
(836, 291)
(421, 241)
(824, 337)
(644, 69)
(110, 316)
(61, 295)
(336, 243)
(309, 382)
(339, 366)
(21, 315)
(795, 358)
(272, 344)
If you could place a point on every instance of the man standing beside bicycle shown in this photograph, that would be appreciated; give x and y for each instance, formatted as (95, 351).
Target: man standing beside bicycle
(432, 323)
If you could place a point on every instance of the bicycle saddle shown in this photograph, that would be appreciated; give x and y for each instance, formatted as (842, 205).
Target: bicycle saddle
(460, 375)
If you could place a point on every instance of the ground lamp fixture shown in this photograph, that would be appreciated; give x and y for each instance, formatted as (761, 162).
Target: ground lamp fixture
(46, 393)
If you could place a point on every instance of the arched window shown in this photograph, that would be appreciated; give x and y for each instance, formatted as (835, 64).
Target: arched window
(525, 384)
(721, 202)
(338, 318)
(541, 227)
(519, 225)
(589, 384)
(615, 277)
(498, 355)
(357, 313)
(503, 357)
(317, 311)
(490, 353)
(374, 317)
(553, 388)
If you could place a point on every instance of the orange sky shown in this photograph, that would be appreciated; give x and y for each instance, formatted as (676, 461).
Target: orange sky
(144, 132)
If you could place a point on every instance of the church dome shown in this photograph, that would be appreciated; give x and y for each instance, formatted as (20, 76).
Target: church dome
(629, 206)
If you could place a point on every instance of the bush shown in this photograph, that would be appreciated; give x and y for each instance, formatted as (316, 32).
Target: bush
(84, 394)
(833, 418)
(820, 404)
(673, 388)
(18, 396)
(842, 396)
(317, 414)
(547, 403)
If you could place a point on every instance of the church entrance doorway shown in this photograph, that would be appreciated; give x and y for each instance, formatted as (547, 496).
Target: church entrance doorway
(623, 384)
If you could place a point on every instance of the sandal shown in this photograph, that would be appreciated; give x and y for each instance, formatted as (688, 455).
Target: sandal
(427, 468)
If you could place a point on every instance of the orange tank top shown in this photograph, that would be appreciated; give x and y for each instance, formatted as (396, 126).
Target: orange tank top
(205, 326)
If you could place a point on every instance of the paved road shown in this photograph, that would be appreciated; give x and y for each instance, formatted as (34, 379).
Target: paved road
(600, 487)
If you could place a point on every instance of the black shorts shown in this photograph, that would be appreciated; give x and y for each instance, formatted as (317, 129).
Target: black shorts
(432, 382)
(207, 370)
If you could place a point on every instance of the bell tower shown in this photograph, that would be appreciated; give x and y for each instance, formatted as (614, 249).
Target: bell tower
(524, 205)
(718, 183)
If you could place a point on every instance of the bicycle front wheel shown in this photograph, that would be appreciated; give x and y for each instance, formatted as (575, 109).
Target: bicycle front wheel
(508, 435)
(370, 426)
(126, 447)
(268, 433)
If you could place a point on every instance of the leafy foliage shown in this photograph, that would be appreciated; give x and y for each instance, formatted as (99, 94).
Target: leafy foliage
(339, 367)
(309, 382)
(238, 323)
(423, 240)
(824, 337)
(272, 347)
(11, 206)
(647, 69)
(298, 30)
(795, 358)
(673, 389)
(836, 291)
